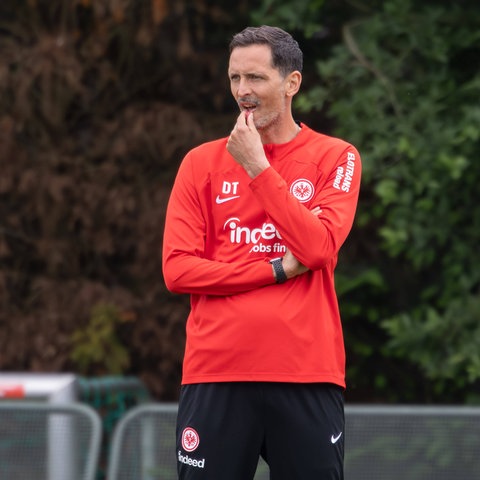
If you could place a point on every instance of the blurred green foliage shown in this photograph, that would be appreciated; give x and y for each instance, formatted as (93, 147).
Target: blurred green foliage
(96, 348)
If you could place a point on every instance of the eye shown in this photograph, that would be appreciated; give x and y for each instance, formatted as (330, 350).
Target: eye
(234, 77)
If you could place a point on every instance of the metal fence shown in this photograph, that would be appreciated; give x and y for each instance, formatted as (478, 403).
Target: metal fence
(382, 443)
(414, 443)
(41, 441)
(45, 441)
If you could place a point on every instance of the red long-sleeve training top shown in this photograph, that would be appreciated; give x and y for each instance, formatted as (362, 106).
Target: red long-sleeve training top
(221, 230)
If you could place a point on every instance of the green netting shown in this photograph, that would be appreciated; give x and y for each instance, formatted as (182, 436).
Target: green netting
(111, 397)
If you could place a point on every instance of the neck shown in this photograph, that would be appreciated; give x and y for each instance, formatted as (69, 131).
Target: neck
(275, 134)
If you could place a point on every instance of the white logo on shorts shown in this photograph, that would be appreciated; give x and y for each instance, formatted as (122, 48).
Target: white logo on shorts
(336, 439)
(190, 439)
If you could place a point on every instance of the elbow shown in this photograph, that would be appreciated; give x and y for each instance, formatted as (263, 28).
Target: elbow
(318, 258)
(170, 283)
(171, 279)
(322, 253)
(318, 262)
(173, 283)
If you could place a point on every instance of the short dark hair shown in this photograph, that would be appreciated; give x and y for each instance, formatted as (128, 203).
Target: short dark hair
(286, 53)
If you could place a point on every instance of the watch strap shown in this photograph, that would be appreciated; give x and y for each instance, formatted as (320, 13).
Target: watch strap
(280, 274)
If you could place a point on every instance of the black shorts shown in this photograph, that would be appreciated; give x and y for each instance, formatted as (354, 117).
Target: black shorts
(223, 428)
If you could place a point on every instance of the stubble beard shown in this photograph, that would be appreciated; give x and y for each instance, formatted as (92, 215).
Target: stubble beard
(268, 122)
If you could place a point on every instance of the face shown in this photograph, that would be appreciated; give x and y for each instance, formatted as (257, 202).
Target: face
(257, 86)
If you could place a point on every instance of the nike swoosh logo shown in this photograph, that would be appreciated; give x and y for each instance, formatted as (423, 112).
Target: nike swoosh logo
(219, 200)
(335, 439)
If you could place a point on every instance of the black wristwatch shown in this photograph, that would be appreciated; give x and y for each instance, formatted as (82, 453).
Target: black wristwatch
(280, 274)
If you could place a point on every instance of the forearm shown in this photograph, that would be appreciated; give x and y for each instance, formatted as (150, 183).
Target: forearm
(185, 273)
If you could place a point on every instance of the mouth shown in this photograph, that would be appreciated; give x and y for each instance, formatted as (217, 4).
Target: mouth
(247, 106)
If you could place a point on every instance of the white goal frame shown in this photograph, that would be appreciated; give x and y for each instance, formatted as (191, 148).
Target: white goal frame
(53, 388)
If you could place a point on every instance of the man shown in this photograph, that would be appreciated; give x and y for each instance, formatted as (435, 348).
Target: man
(253, 228)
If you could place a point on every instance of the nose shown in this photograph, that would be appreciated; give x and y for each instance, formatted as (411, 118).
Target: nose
(243, 88)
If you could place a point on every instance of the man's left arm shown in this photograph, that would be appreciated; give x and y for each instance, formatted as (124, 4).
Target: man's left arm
(313, 239)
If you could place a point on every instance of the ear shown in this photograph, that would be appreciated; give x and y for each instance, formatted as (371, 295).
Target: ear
(293, 82)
